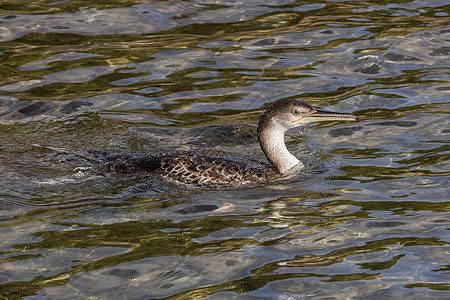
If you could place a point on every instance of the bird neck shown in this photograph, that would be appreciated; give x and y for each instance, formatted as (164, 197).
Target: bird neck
(271, 139)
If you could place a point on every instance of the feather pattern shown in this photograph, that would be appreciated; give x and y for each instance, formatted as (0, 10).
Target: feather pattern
(196, 168)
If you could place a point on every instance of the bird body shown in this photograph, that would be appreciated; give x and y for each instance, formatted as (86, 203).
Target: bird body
(193, 168)
(198, 169)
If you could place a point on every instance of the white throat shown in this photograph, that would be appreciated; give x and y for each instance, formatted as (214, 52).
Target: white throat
(272, 143)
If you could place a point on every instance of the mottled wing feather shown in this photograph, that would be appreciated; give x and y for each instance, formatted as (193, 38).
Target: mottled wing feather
(197, 169)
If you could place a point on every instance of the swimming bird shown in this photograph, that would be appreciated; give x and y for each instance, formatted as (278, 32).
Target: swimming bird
(198, 169)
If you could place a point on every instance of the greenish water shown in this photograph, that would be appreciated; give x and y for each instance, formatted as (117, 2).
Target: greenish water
(367, 218)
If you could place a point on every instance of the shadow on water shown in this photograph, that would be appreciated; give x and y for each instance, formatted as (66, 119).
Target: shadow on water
(367, 216)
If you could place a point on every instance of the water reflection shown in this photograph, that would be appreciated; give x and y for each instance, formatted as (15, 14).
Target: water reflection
(368, 217)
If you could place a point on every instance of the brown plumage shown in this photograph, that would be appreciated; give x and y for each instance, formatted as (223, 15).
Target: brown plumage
(196, 169)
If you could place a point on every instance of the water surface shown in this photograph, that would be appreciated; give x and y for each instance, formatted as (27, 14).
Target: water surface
(367, 217)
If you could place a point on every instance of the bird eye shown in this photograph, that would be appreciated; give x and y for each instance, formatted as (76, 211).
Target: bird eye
(295, 112)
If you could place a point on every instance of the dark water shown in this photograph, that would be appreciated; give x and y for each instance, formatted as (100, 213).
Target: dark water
(367, 218)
